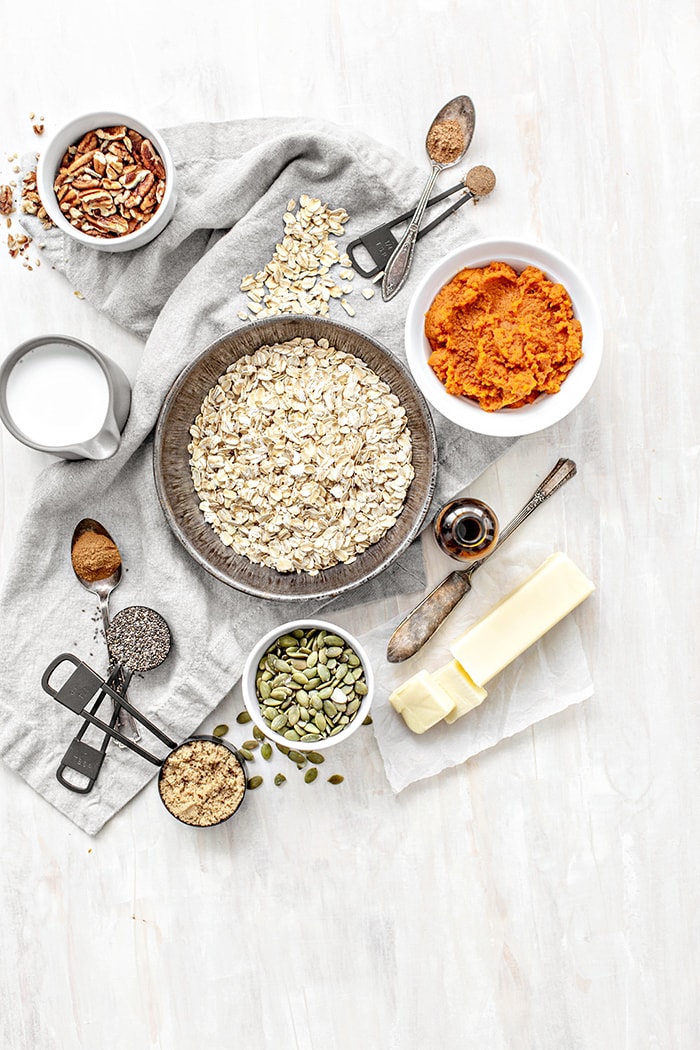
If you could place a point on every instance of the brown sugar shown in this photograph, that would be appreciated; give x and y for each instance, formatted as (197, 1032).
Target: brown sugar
(95, 556)
(502, 338)
(202, 783)
(445, 141)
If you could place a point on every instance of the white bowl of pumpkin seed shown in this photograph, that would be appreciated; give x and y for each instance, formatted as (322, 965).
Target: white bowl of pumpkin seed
(308, 685)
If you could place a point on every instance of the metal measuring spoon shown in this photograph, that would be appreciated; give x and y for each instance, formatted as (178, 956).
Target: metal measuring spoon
(460, 110)
(102, 588)
(139, 640)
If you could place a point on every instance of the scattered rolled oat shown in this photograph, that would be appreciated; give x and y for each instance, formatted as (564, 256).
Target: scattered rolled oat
(347, 307)
(297, 278)
(368, 293)
(301, 456)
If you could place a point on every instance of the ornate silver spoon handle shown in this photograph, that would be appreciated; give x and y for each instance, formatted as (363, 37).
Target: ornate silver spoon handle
(423, 621)
(399, 264)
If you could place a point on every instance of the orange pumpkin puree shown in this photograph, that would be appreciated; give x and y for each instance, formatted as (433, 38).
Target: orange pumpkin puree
(502, 338)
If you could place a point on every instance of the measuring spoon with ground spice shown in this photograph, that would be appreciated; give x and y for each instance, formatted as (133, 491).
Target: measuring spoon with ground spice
(97, 563)
(447, 141)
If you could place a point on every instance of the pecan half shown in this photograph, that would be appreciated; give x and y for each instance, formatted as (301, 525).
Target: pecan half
(6, 206)
(151, 159)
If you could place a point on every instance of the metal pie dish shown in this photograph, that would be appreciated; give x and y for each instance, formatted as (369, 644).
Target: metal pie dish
(180, 502)
(252, 701)
(50, 161)
(221, 743)
(548, 408)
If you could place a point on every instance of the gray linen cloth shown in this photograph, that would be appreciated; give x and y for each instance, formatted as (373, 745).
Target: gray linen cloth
(179, 293)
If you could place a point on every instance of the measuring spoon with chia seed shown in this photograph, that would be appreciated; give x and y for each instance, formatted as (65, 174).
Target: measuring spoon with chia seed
(138, 639)
(446, 143)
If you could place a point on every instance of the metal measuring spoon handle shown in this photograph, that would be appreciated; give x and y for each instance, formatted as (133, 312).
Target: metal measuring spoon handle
(423, 621)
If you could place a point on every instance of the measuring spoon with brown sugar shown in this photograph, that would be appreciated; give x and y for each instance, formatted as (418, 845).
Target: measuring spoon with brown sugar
(423, 621)
(446, 143)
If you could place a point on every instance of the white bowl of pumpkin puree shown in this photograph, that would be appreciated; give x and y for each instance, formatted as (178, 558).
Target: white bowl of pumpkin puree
(504, 337)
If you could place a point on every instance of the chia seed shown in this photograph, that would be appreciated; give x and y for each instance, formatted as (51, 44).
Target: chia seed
(139, 638)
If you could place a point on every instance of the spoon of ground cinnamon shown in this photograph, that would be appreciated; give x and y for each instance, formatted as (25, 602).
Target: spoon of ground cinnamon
(98, 565)
(447, 141)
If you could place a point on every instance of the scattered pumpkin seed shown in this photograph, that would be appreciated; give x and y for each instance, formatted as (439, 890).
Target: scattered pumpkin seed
(258, 733)
(254, 782)
(282, 748)
(336, 779)
(310, 775)
(221, 730)
(266, 751)
(280, 778)
(297, 756)
(243, 718)
(247, 755)
(315, 756)
(251, 744)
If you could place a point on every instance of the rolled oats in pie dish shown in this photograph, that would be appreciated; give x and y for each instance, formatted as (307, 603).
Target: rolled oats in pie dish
(301, 456)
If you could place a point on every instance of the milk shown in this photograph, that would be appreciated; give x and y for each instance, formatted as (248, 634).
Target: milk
(58, 395)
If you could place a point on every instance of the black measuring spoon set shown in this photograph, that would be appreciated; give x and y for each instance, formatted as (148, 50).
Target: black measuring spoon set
(138, 639)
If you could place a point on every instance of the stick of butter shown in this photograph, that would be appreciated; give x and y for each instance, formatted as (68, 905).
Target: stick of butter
(521, 618)
(465, 694)
(421, 702)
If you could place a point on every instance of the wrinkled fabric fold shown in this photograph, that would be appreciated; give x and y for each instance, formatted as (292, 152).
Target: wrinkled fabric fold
(179, 293)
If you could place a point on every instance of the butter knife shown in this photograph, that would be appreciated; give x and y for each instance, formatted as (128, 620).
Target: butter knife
(423, 621)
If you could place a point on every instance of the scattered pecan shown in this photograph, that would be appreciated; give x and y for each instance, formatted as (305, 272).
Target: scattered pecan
(111, 182)
(6, 205)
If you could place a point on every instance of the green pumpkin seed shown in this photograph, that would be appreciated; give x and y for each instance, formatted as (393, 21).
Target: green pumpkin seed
(279, 693)
(293, 715)
(312, 659)
(322, 657)
(221, 730)
(266, 751)
(243, 718)
(258, 733)
(251, 744)
(353, 660)
(282, 748)
(353, 706)
(300, 678)
(320, 720)
(287, 642)
(358, 672)
(281, 665)
(336, 729)
(336, 779)
(248, 755)
(264, 689)
(278, 722)
(323, 673)
(297, 756)
(326, 692)
(316, 757)
(367, 721)
(291, 735)
(361, 689)
(329, 708)
(299, 633)
(254, 783)
(310, 775)
(334, 640)
(280, 778)
(334, 650)
(311, 738)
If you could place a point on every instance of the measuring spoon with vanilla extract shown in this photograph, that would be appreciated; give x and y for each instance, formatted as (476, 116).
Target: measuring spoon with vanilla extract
(102, 586)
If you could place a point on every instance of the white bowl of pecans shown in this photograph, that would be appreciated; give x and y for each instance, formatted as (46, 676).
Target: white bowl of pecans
(108, 181)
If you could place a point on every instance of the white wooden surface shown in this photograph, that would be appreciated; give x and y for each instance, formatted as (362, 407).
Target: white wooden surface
(544, 896)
